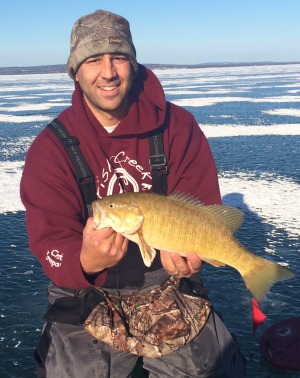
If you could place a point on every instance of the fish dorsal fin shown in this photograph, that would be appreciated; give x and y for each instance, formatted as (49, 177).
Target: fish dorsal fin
(186, 198)
(231, 216)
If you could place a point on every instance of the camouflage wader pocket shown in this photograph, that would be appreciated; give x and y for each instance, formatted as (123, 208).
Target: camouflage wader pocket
(151, 324)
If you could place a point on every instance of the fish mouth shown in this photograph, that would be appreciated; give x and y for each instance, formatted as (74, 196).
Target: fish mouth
(98, 216)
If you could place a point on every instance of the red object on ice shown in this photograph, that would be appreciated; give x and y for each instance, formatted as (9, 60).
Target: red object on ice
(258, 317)
(280, 344)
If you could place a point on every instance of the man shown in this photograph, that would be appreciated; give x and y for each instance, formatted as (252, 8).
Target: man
(117, 103)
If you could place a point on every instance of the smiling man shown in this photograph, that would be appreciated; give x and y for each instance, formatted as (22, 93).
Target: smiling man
(106, 81)
(116, 105)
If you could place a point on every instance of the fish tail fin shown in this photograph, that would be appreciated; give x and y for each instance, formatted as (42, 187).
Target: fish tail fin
(263, 275)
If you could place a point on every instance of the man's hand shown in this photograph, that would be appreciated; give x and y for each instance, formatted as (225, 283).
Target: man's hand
(101, 249)
(179, 266)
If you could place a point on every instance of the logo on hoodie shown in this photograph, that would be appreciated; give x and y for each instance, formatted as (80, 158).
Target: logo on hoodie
(54, 258)
(122, 174)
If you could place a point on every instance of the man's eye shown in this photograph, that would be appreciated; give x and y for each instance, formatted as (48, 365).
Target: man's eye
(120, 59)
(93, 61)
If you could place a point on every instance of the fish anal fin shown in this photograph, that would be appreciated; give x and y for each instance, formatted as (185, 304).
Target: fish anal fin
(215, 263)
(231, 216)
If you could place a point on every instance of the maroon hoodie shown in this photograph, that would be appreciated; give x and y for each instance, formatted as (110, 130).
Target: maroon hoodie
(119, 161)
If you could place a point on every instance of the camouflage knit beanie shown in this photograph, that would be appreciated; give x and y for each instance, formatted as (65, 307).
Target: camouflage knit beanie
(98, 33)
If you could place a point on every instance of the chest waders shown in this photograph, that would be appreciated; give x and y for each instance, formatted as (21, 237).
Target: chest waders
(86, 182)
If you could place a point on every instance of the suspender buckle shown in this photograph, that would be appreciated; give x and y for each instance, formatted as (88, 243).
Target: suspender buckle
(158, 163)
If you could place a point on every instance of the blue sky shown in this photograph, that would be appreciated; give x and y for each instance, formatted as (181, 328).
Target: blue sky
(37, 32)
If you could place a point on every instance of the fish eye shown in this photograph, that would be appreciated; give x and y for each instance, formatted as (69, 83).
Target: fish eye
(111, 205)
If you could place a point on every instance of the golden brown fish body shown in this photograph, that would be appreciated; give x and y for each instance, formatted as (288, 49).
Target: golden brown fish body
(180, 224)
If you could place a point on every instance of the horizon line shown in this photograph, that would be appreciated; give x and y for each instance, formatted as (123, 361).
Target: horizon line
(176, 64)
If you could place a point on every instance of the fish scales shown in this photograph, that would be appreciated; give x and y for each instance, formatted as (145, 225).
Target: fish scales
(181, 224)
(180, 227)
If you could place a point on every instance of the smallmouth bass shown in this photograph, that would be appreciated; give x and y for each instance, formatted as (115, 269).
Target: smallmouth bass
(181, 224)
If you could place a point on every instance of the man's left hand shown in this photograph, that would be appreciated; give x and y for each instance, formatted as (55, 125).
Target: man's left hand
(179, 266)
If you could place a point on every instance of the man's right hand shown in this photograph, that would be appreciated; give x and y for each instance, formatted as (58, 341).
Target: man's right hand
(101, 249)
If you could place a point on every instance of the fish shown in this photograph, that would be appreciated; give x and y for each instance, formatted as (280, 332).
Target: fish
(182, 224)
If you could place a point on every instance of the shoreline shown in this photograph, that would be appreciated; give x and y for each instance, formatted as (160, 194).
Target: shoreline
(62, 68)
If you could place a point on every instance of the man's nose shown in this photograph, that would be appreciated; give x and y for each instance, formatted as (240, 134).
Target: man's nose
(108, 70)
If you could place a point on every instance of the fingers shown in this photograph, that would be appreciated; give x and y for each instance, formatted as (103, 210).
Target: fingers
(101, 248)
(117, 244)
(179, 266)
(194, 262)
(89, 229)
(176, 265)
(122, 242)
(106, 233)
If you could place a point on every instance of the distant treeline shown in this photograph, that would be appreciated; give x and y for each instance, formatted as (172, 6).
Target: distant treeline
(62, 68)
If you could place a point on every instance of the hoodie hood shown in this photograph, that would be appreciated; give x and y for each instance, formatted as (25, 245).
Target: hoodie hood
(147, 111)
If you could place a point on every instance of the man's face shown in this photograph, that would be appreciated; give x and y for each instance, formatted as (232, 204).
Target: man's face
(106, 81)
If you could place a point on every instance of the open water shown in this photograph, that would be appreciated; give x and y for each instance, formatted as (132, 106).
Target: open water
(251, 116)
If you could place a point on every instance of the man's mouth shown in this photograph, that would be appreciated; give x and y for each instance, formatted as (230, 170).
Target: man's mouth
(109, 89)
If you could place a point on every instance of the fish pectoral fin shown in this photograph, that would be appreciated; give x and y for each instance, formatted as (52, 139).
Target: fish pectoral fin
(214, 263)
(148, 253)
(132, 222)
(130, 226)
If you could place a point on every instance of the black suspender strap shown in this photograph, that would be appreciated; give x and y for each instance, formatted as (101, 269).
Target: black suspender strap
(158, 163)
(84, 176)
